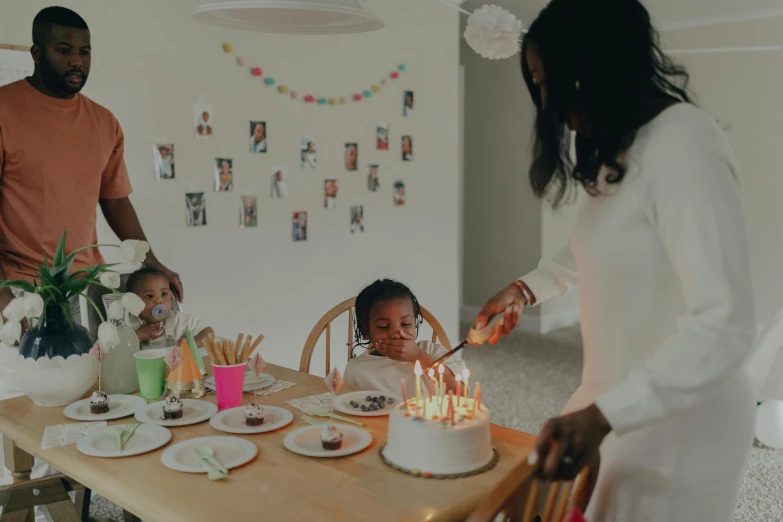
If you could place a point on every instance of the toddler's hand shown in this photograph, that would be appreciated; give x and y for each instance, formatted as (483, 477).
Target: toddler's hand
(405, 350)
(149, 332)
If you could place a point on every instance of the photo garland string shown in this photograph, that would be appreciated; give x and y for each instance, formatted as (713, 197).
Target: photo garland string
(310, 98)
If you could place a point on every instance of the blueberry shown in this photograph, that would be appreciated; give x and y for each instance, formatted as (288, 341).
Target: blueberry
(373, 407)
(368, 398)
(381, 405)
(382, 397)
(354, 404)
(364, 408)
(374, 399)
(391, 400)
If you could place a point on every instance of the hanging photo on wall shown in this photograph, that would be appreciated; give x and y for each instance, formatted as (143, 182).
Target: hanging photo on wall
(279, 183)
(407, 103)
(330, 193)
(351, 156)
(224, 174)
(196, 209)
(407, 148)
(202, 121)
(163, 157)
(299, 222)
(399, 193)
(307, 150)
(249, 212)
(382, 136)
(357, 219)
(258, 136)
(373, 183)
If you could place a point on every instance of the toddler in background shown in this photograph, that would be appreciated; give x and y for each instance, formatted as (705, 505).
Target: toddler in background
(387, 323)
(158, 326)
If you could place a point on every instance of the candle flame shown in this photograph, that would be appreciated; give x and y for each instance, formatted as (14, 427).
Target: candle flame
(466, 374)
(430, 373)
(441, 369)
(417, 369)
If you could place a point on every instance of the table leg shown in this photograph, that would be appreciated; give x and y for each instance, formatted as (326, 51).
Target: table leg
(20, 464)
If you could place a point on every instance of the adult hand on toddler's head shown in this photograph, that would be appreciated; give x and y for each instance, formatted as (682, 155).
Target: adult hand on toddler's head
(403, 348)
(149, 332)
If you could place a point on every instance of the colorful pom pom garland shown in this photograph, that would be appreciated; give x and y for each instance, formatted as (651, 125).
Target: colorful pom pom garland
(312, 99)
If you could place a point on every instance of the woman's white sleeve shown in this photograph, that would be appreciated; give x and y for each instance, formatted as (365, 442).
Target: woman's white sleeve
(554, 276)
(693, 200)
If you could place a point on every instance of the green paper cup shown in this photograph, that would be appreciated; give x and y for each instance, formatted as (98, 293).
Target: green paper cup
(152, 374)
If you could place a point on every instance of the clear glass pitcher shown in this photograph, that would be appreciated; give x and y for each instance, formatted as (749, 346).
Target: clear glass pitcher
(118, 369)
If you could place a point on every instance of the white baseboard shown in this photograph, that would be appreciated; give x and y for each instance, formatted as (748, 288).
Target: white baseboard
(533, 321)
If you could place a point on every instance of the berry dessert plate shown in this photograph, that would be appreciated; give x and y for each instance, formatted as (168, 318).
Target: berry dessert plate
(193, 412)
(119, 406)
(307, 441)
(372, 403)
(233, 420)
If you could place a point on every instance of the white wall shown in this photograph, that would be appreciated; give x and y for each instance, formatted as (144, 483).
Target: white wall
(151, 62)
(744, 91)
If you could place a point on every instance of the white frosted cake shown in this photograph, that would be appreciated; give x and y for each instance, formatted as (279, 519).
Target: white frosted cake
(424, 441)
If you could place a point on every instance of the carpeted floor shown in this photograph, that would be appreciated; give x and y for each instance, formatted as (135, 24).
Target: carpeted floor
(528, 378)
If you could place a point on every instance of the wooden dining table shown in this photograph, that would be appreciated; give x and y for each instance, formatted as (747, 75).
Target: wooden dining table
(276, 485)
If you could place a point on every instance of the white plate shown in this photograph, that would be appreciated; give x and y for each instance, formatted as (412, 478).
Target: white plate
(233, 420)
(307, 441)
(119, 406)
(264, 380)
(146, 438)
(231, 452)
(341, 403)
(193, 412)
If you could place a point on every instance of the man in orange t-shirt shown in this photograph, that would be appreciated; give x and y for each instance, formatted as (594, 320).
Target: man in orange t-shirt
(61, 154)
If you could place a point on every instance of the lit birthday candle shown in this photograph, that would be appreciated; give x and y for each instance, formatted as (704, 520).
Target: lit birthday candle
(430, 374)
(459, 388)
(466, 380)
(418, 371)
(441, 369)
(451, 406)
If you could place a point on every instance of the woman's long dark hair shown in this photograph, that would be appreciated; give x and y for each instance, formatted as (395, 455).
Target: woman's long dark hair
(602, 61)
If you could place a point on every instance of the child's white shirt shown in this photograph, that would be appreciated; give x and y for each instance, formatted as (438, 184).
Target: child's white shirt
(375, 372)
(175, 328)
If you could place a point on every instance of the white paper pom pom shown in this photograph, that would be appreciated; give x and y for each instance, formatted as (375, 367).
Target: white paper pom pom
(493, 32)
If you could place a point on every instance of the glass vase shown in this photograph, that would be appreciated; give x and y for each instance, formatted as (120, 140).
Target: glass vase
(118, 369)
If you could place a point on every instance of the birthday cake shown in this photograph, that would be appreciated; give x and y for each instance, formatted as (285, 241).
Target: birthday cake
(430, 438)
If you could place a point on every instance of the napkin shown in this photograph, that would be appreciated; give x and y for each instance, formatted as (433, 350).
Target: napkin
(66, 434)
(323, 400)
(127, 432)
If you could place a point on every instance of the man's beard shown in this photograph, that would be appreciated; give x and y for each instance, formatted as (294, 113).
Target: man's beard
(57, 82)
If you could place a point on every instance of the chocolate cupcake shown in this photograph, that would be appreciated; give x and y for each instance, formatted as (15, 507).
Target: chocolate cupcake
(172, 408)
(99, 403)
(254, 415)
(331, 438)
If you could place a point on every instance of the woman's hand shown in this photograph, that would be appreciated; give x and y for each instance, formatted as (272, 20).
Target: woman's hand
(569, 443)
(149, 332)
(404, 349)
(510, 302)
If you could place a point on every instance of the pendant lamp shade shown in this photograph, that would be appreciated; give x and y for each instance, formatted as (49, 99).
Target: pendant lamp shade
(290, 16)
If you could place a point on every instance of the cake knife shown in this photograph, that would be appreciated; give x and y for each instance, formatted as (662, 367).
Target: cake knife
(474, 337)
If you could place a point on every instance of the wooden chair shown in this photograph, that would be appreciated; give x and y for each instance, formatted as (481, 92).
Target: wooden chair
(325, 325)
(518, 497)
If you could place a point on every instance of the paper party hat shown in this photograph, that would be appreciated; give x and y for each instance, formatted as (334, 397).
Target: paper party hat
(188, 370)
(195, 352)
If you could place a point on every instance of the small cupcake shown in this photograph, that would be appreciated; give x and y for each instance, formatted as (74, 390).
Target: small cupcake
(172, 408)
(99, 402)
(331, 437)
(254, 415)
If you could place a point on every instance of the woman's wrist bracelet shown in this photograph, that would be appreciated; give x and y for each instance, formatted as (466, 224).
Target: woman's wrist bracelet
(527, 295)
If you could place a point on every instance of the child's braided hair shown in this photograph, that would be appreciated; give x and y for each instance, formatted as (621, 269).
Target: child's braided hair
(381, 289)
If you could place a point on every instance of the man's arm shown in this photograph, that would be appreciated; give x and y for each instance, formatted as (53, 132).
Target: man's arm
(123, 220)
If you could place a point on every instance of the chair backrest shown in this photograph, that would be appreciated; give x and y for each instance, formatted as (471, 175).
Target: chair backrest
(325, 325)
(517, 498)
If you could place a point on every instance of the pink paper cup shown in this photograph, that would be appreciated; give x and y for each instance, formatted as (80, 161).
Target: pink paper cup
(229, 385)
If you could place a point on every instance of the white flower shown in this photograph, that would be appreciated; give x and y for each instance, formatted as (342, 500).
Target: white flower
(133, 303)
(108, 336)
(116, 311)
(33, 305)
(14, 312)
(11, 332)
(493, 32)
(110, 280)
(135, 251)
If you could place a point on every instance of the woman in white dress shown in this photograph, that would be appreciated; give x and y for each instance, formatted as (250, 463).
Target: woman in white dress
(659, 252)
